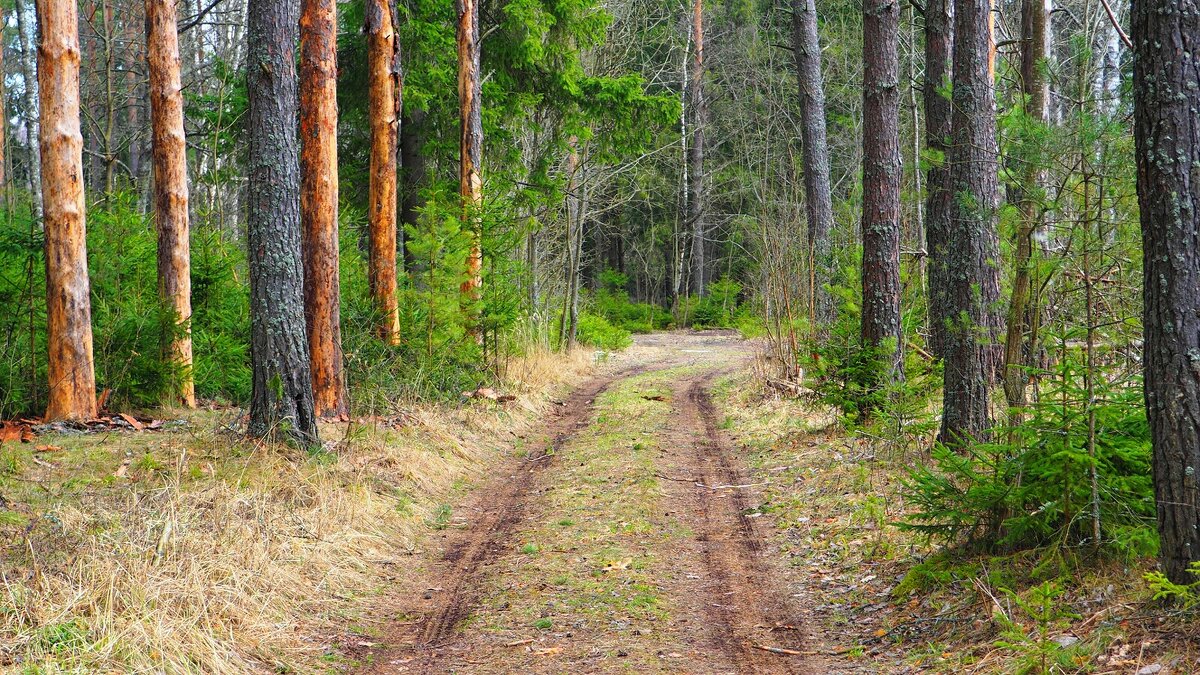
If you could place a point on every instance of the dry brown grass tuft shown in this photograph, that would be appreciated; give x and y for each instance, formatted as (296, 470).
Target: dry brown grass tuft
(215, 554)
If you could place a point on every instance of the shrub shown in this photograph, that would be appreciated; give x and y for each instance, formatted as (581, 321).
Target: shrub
(598, 332)
(1032, 485)
(612, 302)
(717, 309)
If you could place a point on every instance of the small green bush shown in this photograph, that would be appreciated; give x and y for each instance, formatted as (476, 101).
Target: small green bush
(1031, 486)
(596, 331)
(718, 308)
(612, 302)
(1186, 596)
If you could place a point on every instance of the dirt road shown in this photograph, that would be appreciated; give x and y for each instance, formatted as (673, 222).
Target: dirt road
(622, 539)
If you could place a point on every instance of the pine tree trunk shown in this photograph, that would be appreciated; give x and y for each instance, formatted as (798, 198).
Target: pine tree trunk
(699, 110)
(319, 203)
(383, 102)
(281, 403)
(881, 179)
(939, 195)
(134, 101)
(470, 183)
(569, 329)
(1034, 19)
(1166, 98)
(818, 202)
(973, 284)
(68, 301)
(169, 150)
(26, 32)
(3, 121)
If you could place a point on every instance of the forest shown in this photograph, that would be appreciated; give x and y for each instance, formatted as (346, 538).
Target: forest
(932, 266)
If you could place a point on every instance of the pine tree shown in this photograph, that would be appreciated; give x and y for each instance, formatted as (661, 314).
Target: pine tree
(319, 203)
(1168, 151)
(383, 104)
(881, 180)
(68, 301)
(169, 149)
(470, 182)
(281, 403)
(972, 257)
(818, 201)
(698, 107)
(939, 196)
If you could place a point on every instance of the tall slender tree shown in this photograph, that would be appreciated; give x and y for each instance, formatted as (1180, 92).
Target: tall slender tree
(470, 181)
(569, 325)
(697, 214)
(319, 203)
(3, 118)
(281, 402)
(383, 102)
(1166, 98)
(26, 37)
(1035, 17)
(818, 202)
(939, 191)
(971, 247)
(169, 150)
(68, 301)
(881, 179)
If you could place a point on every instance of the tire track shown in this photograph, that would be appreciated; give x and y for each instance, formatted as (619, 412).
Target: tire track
(742, 606)
(459, 572)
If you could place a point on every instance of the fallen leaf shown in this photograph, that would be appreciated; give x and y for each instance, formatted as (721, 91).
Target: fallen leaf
(547, 651)
(133, 422)
(47, 448)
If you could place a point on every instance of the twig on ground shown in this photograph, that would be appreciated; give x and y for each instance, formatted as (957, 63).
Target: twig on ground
(782, 650)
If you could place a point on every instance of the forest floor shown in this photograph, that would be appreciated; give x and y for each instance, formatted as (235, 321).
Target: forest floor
(656, 510)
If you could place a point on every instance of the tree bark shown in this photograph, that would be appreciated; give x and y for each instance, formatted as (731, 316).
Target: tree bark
(939, 195)
(3, 120)
(699, 109)
(881, 179)
(383, 101)
(1166, 36)
(169, 150)
(1034, 19)
(27, 34)
(470, 183)
(68, 301)
(281, 403)
(569, 326)
(818, 202)
(319, 203)
(973, 284)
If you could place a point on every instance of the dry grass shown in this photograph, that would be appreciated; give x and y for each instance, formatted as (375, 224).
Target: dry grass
(215, 554)
(894, 603)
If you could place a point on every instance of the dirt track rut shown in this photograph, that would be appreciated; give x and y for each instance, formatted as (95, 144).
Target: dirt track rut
(624, 543)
